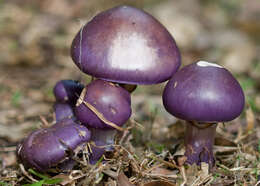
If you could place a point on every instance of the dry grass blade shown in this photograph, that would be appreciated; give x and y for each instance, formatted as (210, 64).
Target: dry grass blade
(250, 119)
(45, 123)
(225, 149)
(182, 171)
(26, 173)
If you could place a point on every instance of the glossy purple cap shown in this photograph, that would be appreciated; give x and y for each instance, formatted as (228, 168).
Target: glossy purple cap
(46, 148)
(126, 45)
(67, 91)
(204, 92)
(112, 101)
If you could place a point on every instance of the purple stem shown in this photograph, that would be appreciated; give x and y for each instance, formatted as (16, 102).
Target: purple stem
(104, 141)
(199, 144)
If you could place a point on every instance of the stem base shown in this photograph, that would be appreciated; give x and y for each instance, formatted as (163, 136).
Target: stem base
(199, 144)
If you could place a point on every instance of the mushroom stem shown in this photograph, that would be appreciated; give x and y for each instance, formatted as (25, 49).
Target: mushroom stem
(199, 144)
(102, 142)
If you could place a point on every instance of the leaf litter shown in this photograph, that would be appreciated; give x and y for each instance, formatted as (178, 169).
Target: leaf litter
(150, 152)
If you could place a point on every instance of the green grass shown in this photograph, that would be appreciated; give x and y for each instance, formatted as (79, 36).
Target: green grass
(16, 98)
(44, 179)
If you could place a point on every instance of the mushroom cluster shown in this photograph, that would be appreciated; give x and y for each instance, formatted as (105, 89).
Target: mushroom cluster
(118, 50)
(121, 48)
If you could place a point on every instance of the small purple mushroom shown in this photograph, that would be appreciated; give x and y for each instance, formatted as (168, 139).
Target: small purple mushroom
(111, 101)
(46, 148)
(203, 94)
(126, 45)
(67, 91)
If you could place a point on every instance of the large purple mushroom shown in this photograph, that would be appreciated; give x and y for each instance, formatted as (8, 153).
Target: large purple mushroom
(111, 101)
(67, 91)
(123, 45)
(126, 45)
(46, 148)
(203, 94)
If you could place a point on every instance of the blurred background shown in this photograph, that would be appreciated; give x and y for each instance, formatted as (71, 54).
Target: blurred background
(35, 39)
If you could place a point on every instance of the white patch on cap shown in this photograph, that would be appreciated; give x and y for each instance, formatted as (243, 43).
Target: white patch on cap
(207, 64)
(131, 52)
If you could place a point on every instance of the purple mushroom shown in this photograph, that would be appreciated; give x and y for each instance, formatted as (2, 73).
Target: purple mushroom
(67, 91)
(116, 46)
(126, 45)
(113, 103)
(203, 94)
(110, 100)
(46, 148)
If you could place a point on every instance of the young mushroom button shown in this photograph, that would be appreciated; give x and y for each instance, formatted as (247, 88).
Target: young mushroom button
(112, 105)
(47, 148)
(67, 91)
(203, 94)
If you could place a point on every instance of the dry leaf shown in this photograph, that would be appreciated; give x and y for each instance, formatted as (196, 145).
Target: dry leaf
(162, 171)
(122, 180)
(222, 141)
(159, 183)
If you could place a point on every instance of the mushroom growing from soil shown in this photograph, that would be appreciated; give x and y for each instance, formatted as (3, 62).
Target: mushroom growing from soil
(112, 105)
(203, 94)
(47, 148)
(128, 47)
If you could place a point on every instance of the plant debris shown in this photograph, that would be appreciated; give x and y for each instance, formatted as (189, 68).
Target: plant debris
(35, 42)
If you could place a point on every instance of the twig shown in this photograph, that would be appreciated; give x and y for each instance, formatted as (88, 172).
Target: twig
(182, 170)
(26, 173)
(257, 183)
(45, 123)
(7, 149)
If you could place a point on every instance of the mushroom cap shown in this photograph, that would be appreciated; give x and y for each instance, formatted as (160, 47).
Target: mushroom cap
(126, 45)
(67, 91)
(112, 101)
(204, 92)
(46, 148)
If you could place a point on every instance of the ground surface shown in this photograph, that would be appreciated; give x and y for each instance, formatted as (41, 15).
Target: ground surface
(35, 38)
